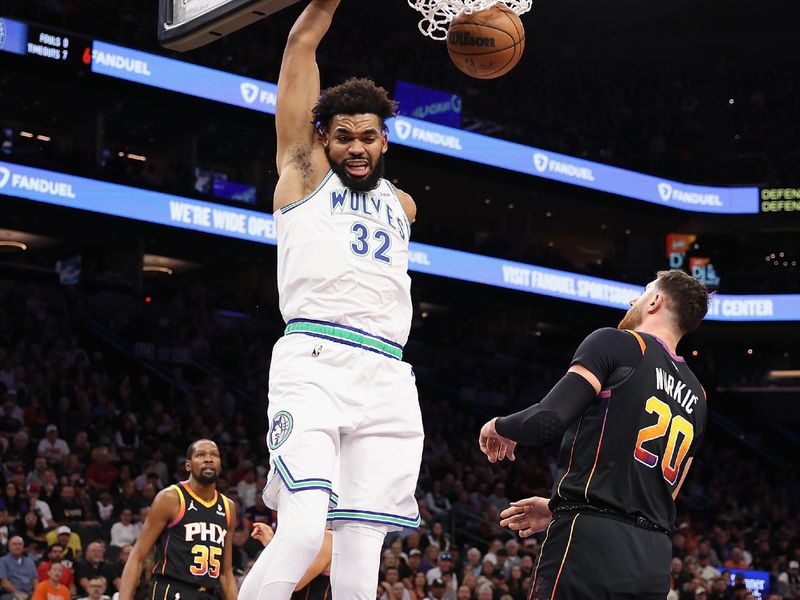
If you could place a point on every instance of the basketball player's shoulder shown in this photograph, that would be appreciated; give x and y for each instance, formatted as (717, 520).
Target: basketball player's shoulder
(407, 201)
(610, 336)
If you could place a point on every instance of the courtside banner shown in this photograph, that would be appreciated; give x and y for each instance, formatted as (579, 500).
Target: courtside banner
(210, 84)
(207, 217)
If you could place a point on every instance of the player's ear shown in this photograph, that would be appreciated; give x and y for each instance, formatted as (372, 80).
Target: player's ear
(323, 136)
(656, 303)
(384, 142)
(188, 466)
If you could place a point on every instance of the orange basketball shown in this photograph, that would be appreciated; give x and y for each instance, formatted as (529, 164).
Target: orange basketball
(486, 44)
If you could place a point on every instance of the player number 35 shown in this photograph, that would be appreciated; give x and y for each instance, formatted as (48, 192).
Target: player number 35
(206, 560)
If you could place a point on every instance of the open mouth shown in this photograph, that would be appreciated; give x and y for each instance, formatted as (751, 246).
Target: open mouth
(208, 470)
(357, 168)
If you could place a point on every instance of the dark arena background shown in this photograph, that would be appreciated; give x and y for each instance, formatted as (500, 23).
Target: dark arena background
(138, 303)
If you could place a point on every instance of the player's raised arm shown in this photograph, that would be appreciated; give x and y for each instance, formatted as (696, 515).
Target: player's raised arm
(298, 83)
(163, 510)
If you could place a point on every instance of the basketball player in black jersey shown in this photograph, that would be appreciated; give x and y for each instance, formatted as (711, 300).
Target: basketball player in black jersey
(630, 415)
(193, 526)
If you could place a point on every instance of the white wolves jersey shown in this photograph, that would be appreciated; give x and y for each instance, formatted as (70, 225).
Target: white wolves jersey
(343, 259)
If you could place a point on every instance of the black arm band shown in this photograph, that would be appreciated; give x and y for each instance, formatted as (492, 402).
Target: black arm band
(547, 421)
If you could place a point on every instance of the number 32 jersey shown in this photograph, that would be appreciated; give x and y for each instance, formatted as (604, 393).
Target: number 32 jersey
(190, 548)
(343, 258)
(629, 451)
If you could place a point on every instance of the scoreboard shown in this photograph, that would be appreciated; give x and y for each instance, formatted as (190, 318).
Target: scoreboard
(45, 44)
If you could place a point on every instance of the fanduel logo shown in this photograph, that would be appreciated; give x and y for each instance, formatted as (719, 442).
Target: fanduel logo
(251, 92)
(543, 163)
(668, 192)
(35, 184)
(121, 63)
(402, 129)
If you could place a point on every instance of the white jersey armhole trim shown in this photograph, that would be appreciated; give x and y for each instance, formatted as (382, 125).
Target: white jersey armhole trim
(297, 203)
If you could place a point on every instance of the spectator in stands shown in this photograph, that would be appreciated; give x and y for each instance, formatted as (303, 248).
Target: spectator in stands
(55, 555)
(18, 575)
(436, 502)
(37, 474)
(50, 491)
(247, 489)
(53, 448)
(20, 452)
(124, 531)
(14, 505)
(31, 530)
(789, 580)
(12, 417)
(437, 589)
(104, 509)
(119, 565)
(706, 570)
(419, 586)
(101, 474)
(93, 565)
(437, 537)
(473, 564)
(39, 506)
(444, 571)
(736, 561)
(69, 541)
(96, 586)
(52, 588)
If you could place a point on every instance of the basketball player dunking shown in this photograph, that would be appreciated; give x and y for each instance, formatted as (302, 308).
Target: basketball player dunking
(345, 425)
(193, 525)
(631, 414)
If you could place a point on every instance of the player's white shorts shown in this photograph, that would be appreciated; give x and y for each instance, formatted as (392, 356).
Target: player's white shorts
(344, 417)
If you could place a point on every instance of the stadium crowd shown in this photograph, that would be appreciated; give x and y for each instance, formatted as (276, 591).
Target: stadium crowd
(89, 435)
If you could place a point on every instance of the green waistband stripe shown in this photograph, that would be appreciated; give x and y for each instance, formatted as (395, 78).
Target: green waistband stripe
(345, 335)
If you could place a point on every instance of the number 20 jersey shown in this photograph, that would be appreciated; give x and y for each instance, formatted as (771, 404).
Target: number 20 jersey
(190, 547)
(343, 258)
(629, 450)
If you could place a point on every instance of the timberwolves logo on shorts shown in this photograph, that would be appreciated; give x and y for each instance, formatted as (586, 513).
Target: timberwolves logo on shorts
(280, 430)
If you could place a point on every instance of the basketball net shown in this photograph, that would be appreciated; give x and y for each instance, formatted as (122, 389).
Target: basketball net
(437, 14)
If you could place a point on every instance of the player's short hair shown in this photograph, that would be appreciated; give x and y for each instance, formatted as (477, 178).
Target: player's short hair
(190, 450)
(355, 96)
(689, 297)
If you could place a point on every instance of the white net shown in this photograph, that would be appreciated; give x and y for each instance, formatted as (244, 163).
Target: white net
(437, 14)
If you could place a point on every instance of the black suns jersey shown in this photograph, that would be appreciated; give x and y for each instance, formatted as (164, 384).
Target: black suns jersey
(190, 548)
(629, 450)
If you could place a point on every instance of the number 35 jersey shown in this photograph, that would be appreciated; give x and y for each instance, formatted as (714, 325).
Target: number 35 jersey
(343, 258)
(630, 449)
(190, 548)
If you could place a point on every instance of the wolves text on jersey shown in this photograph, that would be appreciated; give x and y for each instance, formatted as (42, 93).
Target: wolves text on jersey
(375, 206)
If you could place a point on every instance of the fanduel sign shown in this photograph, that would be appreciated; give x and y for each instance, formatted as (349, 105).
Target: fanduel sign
(206, 217)
(177, 76)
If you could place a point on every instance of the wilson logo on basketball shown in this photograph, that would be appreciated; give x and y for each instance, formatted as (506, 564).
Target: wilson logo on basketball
(465, 38)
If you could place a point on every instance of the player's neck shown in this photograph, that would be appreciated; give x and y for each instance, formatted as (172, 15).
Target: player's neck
(205, 491)
(664, 333)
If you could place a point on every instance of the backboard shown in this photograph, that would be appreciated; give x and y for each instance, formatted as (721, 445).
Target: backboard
(187, 24)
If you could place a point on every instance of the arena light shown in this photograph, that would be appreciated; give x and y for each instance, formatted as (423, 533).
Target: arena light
(157, 269)
(215, 219)
(13, 244)
(784, 374)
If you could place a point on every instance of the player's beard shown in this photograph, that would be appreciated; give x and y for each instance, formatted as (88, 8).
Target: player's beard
(361, 184)
(633, 318)
(207, 479)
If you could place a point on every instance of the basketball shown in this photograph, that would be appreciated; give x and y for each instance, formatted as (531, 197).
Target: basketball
(486, 44)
